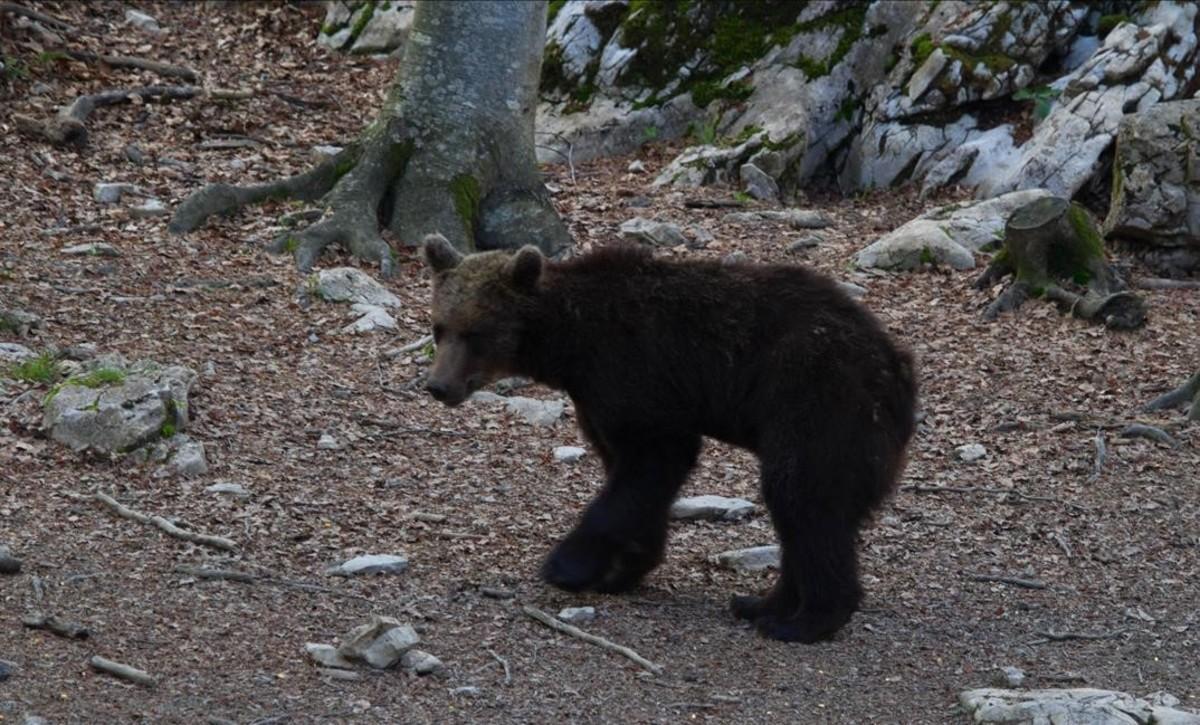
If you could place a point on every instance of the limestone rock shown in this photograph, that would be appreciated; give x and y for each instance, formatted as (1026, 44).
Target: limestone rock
(711, 508)
(228, 489)
(326, 655)
(370, 564)
(381, 642)
(142, 21)
(19, 321)
(577, 615)
(1156, 196)
(111, 193)
(948, 235)
(568, 454)
(662, 234)
(421, 662)
(9, 564)
(12, 352)
(91, 249)
(370, 319)
(387, 29)
(1077, 705)
(757, 183)
(115, 409)
(970, 452)
(348, 284)
(148, 209)
(748, 560)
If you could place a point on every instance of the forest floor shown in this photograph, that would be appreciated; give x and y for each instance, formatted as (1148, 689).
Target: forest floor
(1118, 553)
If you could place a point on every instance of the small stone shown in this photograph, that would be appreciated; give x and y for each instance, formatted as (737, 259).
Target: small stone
(135, 155)
(35, 720)
(568, 454)
(188, 457)
(636, 167)
(758, 184)
(639, 202)
(970, 452)
(327, 443)
(747, 560)
(19, 321)
(6, 669)
(736, 257)
(1008, 677)
(82, 351)
(148, 209)
(231, 489)
(662, 234)
(91, 249)
(700, 238)
(577, 615)
(11, 352)
(380, 642)
(467, 691)
(370, 564)
(111, 192)
(371, 318)
(334, 673)
(421, 662)
(711, 508)
(322, 152)
(806, 242)
(237, 164)
(347, 284)
(142, 21)
(327, 655)
(852, 290)
(9, 564)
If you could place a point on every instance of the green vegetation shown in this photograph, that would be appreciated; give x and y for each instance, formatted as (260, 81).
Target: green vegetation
(98, 378)
(847, 110)
(705, 92)
(649, 134)
(922, 47)
(927, 256)
(742, 197)
(167, 430)
(553, 10)
(1042, 97)
(466, 192)
(291, 244)
(46, 57)
(851, 20)
(40, 369)
(365, 14)
(14, 68)
(1109, 22)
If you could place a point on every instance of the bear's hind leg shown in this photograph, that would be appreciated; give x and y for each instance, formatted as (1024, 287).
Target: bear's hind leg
(818, 587)
(622, 534)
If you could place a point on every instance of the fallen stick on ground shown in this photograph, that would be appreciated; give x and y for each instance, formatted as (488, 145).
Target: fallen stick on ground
(50, 623)
(1101, 456)
(125, 672)
(503, 663)
(121, 61)
(1004, 579)
(1052, 636)
(218, 574)
(14, 9)
(578, 633)
(246, 577)
(216, 542)
(1158, 283)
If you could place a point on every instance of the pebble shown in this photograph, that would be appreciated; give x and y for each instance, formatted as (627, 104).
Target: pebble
(568, 454)
(327, 443)
(1008, 677)
(9, 564)
(806, 242)
(91, 249)
(970, 452)
(380, 642)
(735, 258)
(334, 673)
(148, 209)
(6, 669)
(636, 167)
(370, 564)
(232, 489)
(577, 615)
(467, 690)
(111, 193)
(327, 655)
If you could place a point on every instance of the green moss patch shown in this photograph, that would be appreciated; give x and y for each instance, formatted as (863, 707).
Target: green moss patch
(466, 192)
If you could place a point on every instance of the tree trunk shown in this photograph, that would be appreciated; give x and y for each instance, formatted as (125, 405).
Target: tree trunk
(451, 152)
(1051, 245)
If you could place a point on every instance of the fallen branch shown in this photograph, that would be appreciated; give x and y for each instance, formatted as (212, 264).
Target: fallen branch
(417, 344)
(578, 633)
(1101, 456)
(1138, 430)
(245, 577)
(67, 126)
(50, 623)
(217, 574)
(14, 9)
(122, 61)
(125, 672)
(1158, 283)
(1050, 635)
(216, 542)
(503, 663)
(1004, 579)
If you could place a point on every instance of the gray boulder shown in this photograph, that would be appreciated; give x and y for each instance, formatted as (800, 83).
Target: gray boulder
(366, 27)
(661, 234)
(1156, 194)
(115, 409)
(348, 284)
(949, 235)
(12, 352)
(758, 184)
(711, 508)
(1076, 705)
(756, 558)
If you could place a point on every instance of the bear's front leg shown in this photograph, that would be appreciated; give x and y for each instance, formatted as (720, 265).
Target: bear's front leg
(622, 534)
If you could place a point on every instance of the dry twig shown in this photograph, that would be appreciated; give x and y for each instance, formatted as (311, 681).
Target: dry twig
(1005, 579)
(121, 61)
(578, 633)
(125, 672)
(503, 663)
(1049, 635)
(15, 9)
(216, 542)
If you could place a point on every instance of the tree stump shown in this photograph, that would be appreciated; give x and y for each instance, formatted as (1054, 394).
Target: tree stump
(1052, 249)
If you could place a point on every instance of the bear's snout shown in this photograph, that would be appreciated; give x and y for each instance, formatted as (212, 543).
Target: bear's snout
(441, 392)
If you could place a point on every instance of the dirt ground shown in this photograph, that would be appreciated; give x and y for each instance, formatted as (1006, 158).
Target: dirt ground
(1119, 554)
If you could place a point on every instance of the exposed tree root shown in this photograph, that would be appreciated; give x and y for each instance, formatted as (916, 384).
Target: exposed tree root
(21, 10)
(552, 623)
(1009, 300)
(121, 61)
(67, 126)
(1159, 283)
(1186, 394)
(123, 671)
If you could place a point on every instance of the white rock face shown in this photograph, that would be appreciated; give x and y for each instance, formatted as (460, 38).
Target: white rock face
(381, 642)
(577, 615)
(370, 564)
(370, 319)
(1076, 705)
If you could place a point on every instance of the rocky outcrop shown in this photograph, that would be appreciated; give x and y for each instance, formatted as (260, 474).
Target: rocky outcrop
(1156, 187)
(366, 26)
(1090, 705)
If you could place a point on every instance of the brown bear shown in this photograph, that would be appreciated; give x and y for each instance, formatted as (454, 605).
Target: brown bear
(655, 354)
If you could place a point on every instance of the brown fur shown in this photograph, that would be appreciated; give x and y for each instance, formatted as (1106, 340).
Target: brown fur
(656, 354)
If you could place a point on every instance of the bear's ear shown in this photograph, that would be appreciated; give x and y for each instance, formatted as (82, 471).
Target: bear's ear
(526, 267)
(439, 253)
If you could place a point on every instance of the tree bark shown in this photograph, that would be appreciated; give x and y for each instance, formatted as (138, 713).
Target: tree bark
(451, 151)
(1051, 245)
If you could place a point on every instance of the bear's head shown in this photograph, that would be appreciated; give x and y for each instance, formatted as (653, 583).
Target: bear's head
(478, 311)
